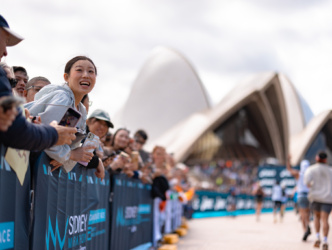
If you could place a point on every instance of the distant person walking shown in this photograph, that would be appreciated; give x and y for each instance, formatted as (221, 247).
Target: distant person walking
(284, 200)
(302, 195)
(277, 199)
(259, 197)
(318, 178)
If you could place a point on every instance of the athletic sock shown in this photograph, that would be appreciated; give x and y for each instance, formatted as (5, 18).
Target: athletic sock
(317, 235)
(325, 240)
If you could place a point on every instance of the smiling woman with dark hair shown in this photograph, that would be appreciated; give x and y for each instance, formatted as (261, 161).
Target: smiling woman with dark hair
(52, 101)
(120, 139)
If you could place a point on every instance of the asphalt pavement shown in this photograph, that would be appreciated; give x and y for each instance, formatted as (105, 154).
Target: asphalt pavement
(244, 232)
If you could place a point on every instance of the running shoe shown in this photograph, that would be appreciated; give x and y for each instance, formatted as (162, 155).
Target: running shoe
(306, 234)
(317, 243)
(325, 246)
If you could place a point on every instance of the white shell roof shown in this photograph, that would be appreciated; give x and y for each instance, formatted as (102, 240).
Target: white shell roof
(301, 141)
(169, 101)
(166, 91)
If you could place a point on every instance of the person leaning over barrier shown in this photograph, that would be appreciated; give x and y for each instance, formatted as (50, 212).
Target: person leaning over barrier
(52, 101)
(120, 141)
(15, 130)
(318, 178)
(98, 123)
(128, 160)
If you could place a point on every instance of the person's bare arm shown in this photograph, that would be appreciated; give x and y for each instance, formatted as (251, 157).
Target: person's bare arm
(293, 172)
(100, 171)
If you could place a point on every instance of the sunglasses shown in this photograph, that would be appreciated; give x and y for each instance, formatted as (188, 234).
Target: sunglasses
(37, 88)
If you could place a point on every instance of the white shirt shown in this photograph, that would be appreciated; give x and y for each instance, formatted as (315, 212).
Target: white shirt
(276, 193)
(318, 178)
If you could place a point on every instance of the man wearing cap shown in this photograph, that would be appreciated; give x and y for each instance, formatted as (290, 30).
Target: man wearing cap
(102, 115)
(318, 178)
(22, 134)
(98, 123)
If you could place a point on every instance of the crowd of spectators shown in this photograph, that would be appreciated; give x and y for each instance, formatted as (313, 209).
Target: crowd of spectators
(225, 175)
(28, 106)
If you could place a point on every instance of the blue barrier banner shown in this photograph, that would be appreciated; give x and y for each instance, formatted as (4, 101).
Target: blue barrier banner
(70, 209)
(6, 235)
(131, 223)
(214, 204)
(14, 207)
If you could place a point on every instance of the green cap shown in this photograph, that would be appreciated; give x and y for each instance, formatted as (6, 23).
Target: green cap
(102, 115)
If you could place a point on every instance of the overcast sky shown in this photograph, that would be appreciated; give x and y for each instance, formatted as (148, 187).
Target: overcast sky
(223, 40)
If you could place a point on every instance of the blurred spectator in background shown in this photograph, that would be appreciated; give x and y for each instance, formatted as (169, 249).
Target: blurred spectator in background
(259, 197)
(107, 140)
(220, 175)
(140, 138)
(160, 186)
(34, 86)
(231, 201)
(120, 140)
(86, 102)
(21, 75)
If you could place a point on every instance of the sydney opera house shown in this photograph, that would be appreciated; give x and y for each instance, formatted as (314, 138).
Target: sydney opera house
(262, 118)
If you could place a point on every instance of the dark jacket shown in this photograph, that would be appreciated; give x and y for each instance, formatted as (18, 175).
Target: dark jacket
(159, 187)
(23, 134)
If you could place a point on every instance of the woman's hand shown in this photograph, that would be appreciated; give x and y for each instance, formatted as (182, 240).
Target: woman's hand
(100, 171)
(119, 162)
(82, 154)
(127, 171)
(55, 164)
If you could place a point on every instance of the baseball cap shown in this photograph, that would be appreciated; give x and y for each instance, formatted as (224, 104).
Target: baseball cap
(102, 115)
(13, 37)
